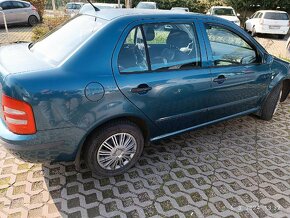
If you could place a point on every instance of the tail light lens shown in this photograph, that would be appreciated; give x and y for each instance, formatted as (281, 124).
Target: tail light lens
(18, 116)
(261, 21)
(33, 8)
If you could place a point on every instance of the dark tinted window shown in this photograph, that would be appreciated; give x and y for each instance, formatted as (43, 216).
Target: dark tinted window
(276, 16)
(224, 11)
(6, 5)
(172, 46)
(229, 48)
(17, 5)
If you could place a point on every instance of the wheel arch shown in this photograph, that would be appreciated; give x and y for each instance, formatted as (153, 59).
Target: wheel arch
(140, 122)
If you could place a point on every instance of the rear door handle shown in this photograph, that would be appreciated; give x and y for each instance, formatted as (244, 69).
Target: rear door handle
(220, 79)
(141, 89)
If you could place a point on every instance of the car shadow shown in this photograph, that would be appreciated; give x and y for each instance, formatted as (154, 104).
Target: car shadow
(217, 162)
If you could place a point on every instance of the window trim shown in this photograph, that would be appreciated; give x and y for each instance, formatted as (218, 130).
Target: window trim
(257, 51)
(191, 23)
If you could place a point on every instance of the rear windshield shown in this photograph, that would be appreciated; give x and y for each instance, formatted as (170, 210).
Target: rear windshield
(146, 5)
(276, 16)
(224, 12)
(59, 44)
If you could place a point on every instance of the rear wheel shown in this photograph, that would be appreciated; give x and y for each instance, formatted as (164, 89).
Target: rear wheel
(114, 149)
(32, 20)
(271, 104)
(254, 33)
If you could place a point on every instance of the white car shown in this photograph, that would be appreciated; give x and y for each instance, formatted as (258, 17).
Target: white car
(180, 9)
(268, 22)
(225, 12)
(73, 8)
(88, 7)
(147, 5)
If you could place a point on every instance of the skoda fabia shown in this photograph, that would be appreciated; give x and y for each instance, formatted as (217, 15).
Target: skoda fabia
(107, 82)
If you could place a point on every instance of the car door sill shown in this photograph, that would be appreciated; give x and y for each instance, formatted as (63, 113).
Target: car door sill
(205, 124)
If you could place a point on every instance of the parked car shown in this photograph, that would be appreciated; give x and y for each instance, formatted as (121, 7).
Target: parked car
(268, 22)
(225, 12)
(18, 12)
(87, 7)
(180, 9)
(73, 8)
(108, 82)
(147, 5)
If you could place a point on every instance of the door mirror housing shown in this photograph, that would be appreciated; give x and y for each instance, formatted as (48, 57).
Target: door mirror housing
(208, 13)
(1, 9)
(238, 15)
(268, 59)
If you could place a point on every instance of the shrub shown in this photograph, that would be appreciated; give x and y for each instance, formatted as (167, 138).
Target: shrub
(49, 23)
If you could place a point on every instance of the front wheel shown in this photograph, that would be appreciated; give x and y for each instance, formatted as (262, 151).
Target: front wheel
(114, 149)
(271, 104)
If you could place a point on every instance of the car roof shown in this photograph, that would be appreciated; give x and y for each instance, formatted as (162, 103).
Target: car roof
(14, 1)
(81, 3)
(117, 13)
(148, 2)
(275, 11)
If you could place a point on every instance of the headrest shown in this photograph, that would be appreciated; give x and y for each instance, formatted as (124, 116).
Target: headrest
(150, 33)
(178, 38)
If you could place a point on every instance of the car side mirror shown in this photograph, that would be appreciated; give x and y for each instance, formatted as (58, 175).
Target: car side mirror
(268, 59)
(208, 13)
(238, 15)
(1, 9)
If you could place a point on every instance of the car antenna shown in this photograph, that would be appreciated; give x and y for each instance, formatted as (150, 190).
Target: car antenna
(96, 8)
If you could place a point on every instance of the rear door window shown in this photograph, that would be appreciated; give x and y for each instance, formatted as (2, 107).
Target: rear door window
(172, 46)
(276, 16)
(16, 5)
(133, 57)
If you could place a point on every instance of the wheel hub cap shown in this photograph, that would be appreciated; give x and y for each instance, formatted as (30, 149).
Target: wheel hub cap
(116, 151)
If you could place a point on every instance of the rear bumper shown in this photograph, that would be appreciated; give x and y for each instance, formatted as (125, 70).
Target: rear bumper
(44, 146)
(267, 30)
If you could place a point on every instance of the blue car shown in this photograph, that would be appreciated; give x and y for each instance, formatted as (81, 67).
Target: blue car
(108, 82)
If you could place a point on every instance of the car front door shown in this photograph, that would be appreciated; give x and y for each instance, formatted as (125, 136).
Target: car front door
(158, 67)
(20, 12)
(239, 76)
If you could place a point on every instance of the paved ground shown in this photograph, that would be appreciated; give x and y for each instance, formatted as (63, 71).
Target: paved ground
(238, 168)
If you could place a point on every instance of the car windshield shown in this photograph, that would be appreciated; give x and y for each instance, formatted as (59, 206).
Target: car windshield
(59, 44)
(276, 16)
(224, 11)
(145, 5)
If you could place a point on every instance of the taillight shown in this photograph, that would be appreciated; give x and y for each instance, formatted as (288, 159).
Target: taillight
(261, 21)
(33, 8)
(18, 116)
(289, 23)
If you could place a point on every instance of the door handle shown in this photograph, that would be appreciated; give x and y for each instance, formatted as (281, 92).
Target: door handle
(220, 79)
(141, 89)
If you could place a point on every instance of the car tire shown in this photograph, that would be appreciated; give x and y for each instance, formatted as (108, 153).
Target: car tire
(281, 36)
(105, 150)
(32, 20)
(271, 103)
(253, 32)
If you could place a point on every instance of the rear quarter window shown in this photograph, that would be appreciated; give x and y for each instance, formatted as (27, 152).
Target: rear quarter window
(276, 16)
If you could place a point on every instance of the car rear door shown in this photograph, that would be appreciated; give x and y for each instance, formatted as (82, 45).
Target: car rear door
(20, 12)
(171, 88)
(239, 77)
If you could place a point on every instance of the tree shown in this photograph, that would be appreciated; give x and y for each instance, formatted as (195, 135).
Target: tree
(39, 4)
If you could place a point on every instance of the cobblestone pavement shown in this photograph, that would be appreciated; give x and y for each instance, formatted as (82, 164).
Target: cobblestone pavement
(274, 46)
(238, 168)
(15, 34)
